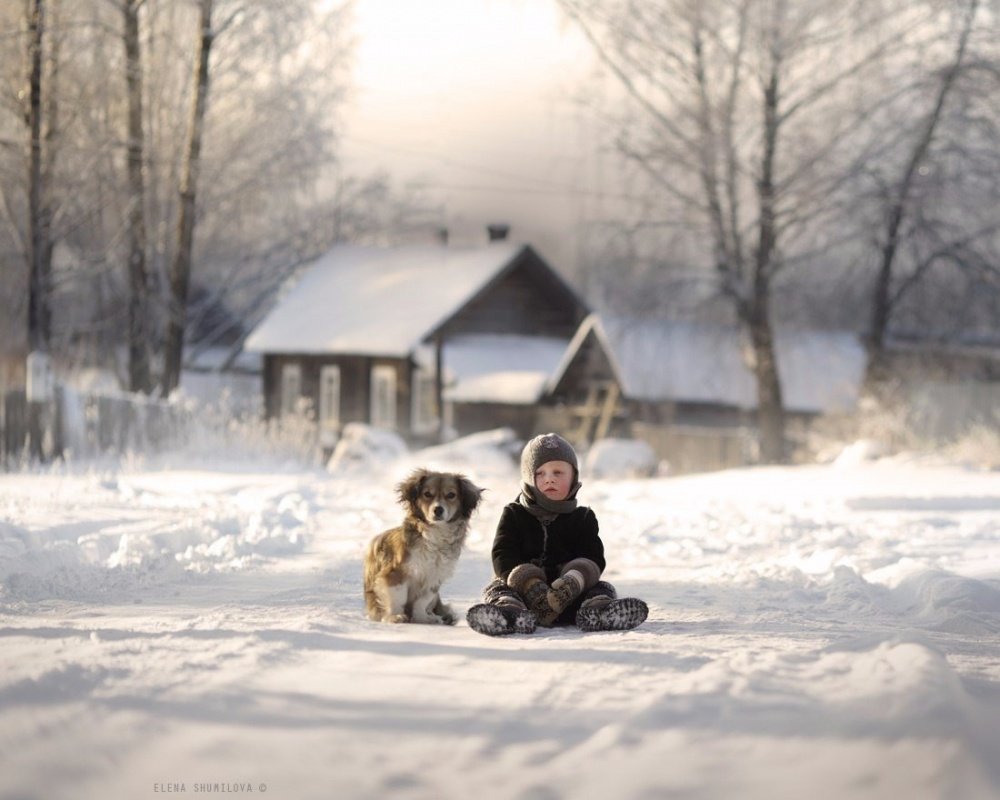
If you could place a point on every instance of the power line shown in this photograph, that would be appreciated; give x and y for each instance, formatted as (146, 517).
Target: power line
(542, 186)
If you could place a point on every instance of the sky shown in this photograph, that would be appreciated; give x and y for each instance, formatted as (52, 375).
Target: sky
(478, 100)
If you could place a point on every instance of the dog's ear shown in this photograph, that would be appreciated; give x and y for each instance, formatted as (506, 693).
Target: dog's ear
(409, 489)
(470, 495)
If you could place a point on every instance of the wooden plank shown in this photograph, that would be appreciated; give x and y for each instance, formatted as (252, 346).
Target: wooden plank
(607, 411)
(586, 414)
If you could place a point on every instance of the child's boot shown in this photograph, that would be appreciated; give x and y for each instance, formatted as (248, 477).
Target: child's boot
(607, 614)
(491, 620)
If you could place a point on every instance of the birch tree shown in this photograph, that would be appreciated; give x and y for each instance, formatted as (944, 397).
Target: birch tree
(262, 195)
(180, 271)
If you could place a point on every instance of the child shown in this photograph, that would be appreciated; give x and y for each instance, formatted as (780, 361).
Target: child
(548, 556)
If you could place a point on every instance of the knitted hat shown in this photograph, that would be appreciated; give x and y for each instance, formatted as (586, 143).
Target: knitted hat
(547, 447)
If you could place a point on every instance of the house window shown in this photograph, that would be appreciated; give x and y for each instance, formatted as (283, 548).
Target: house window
(424, 402)
(329, 398)
(383, 410)
(291, 388)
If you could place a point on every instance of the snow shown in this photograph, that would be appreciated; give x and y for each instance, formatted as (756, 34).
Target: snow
(363, 449)
(828, 631)
(371, 301)
(509, 368)
(613, 458)
(820, 371)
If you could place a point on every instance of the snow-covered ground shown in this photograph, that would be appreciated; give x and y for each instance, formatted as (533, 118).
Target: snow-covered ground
(196, 627)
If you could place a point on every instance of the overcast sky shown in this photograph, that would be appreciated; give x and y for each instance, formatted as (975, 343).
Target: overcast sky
(477, 99)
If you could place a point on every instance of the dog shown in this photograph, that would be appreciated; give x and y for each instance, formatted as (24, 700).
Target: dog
(405, 566)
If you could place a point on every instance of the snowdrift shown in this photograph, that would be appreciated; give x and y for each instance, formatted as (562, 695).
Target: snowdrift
(827, 631)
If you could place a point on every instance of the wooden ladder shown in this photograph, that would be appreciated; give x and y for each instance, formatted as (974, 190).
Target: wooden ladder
(597, 412)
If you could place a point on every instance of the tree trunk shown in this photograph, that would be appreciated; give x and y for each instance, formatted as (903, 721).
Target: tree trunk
(770, 404)
(180, 271)
(39, 217)
(50, 140)
(139, 323)
(770, 408)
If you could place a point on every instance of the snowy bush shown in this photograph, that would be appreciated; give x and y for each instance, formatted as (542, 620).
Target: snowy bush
(221, 428)
(896, 423)
(858, 452)
(620, 458)
(980, 447)
(889, 420)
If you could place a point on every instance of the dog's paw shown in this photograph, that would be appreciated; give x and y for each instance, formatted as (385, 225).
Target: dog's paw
(396, 618)
(448, 616)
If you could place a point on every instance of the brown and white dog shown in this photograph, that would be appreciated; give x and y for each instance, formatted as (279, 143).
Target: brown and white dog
(405, 566)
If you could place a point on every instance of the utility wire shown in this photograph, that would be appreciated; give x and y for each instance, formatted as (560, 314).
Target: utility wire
(542, 186)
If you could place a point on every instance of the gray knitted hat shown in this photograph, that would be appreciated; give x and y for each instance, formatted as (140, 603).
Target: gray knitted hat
(547, 447)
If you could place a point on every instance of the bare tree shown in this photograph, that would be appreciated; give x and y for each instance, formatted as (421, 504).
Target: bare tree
(898, 206)
(180, 272)
(266, 190)
(744, 111)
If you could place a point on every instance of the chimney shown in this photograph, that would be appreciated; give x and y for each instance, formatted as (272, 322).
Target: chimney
(498, 233)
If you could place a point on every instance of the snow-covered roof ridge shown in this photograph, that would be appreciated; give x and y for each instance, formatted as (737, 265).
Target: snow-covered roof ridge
(592, 323)
(370, 301)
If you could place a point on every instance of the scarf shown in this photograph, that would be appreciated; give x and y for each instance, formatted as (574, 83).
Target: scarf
(543, 509)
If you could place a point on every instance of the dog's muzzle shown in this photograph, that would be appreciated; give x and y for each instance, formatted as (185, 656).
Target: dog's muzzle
(438, 512)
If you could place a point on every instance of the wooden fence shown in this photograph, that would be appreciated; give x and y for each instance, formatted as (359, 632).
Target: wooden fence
(77, 425)
(689, 448)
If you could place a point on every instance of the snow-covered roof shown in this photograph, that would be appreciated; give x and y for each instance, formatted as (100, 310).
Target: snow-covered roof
(371, 301)
(500, 368)
(820, 371)
(591, 325)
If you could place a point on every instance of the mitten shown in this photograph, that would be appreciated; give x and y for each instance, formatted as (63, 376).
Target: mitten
(528, 581)
(576, 577)
(565, 590)
(536, 597)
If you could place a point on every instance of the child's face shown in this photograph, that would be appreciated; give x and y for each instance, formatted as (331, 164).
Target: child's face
(554, 479)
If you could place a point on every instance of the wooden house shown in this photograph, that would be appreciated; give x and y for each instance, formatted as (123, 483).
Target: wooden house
(418, 339)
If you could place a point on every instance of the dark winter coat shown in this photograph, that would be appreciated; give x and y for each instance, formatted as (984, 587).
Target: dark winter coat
(522, 539)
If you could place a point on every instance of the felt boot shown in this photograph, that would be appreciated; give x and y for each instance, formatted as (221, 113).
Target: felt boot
(611, 615)
(492, 620)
